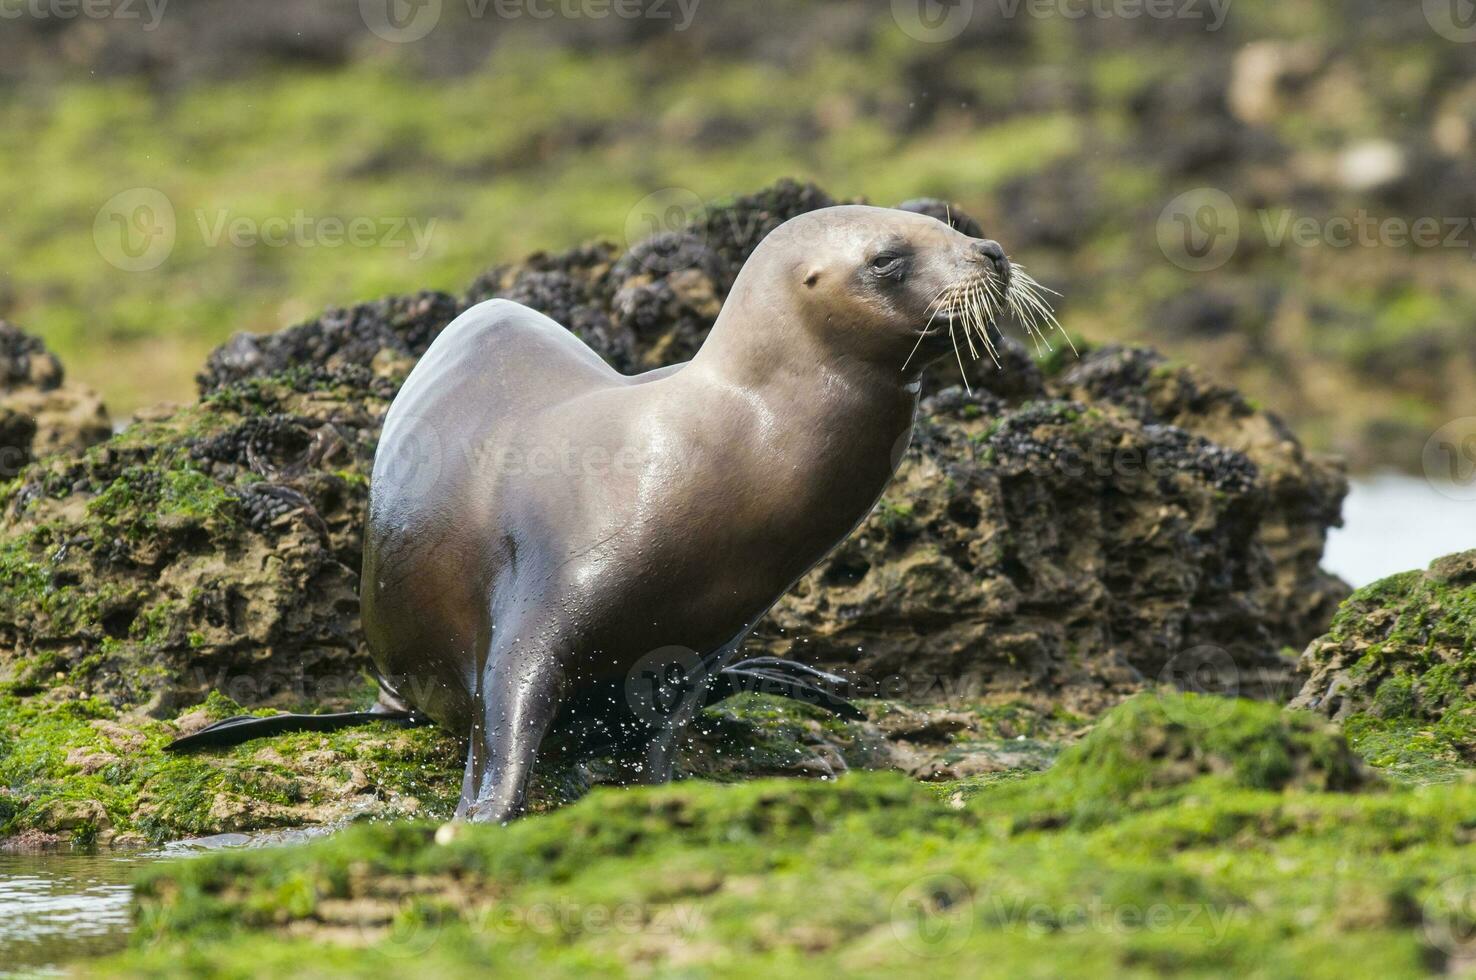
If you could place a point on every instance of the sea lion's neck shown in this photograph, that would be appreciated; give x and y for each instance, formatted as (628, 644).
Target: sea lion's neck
(761, 343)
(780, 383)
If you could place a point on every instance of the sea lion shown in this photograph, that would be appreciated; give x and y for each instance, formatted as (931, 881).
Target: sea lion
(543, 531)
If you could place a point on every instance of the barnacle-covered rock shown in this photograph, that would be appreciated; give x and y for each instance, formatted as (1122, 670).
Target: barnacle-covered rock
(40, 411)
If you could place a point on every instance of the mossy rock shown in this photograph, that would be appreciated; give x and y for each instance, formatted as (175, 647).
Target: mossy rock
(1154, 747)
(1398, 668)
(77, 771)
(1201, 866)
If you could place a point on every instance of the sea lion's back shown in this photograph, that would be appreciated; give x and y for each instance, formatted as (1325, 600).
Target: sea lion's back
(430, 535)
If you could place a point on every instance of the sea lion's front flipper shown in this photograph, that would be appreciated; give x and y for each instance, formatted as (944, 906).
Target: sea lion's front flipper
(234, 731)
(522, 690)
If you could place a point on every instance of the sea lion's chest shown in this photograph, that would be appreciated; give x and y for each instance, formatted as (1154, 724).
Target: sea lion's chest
(695, 531)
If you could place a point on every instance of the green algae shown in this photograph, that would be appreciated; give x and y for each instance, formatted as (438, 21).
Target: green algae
(1398, 668)
(1191, 864)
(81, 770)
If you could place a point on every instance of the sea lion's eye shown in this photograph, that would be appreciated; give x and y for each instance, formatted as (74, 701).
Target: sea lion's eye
(887, 264)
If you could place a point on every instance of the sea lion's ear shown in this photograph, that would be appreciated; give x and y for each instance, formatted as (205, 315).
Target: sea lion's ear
(812, 277)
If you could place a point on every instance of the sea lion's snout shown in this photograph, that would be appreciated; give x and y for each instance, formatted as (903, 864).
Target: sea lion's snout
(993, 255)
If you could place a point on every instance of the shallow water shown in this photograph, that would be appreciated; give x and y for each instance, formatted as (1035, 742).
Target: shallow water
(1394, 523)
(57, 907)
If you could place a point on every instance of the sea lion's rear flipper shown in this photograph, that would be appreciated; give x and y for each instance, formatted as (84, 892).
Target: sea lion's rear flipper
(786, 678)
(234, 731)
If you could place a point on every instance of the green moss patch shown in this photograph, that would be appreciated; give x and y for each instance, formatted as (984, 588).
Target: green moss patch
(1398, 668)
(1202, 865)
(81, 772)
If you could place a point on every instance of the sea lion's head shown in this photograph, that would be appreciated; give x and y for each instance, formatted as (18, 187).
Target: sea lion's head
(898, 287)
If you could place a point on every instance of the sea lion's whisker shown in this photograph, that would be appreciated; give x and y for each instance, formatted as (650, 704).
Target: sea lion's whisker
(1032, 299)
(956, 353)
(992, 307)
(1027, 319)
(981, 315)
(969, 308)
(1030, 293)
(1033, 282)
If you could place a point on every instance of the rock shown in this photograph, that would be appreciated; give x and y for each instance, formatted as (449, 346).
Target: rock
(1161, 744)
(339, 340)
(1371, 165)
(1265, 72)
(1402, 651)
(30, 841)
(74, 815)
(90, 760)
(944, 211)
(875, 872)
(40, 413)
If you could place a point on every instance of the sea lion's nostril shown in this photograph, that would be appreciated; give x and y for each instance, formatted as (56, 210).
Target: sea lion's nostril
(990, 251)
